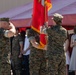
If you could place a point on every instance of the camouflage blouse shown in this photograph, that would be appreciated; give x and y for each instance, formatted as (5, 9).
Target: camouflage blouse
(56, 38)
(37, 53)
(4, 46)
(17, 40)
(4, 54)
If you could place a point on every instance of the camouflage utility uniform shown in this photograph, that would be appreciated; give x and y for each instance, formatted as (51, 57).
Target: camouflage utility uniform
(55, 52)
(5, 66)
(16, 61)
(37, 61)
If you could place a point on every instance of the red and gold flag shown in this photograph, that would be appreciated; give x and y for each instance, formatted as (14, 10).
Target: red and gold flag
(40, 16)
(48, 6)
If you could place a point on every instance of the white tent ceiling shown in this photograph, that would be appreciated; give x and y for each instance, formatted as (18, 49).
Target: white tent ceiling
(6, 5)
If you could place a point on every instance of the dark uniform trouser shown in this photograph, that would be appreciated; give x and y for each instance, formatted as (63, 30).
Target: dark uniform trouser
(25, 65)
(17, 68)
(16, 63)
(5, 68)
(56, 66)
(37, 67)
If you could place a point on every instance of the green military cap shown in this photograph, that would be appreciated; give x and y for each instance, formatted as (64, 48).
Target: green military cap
(4, 19)
(57, 17)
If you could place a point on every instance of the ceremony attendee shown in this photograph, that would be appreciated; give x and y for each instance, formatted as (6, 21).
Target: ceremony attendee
(26, 53)
(72, 66)
(55, 51)
(37, 62)
(17, 47)
(7, 30)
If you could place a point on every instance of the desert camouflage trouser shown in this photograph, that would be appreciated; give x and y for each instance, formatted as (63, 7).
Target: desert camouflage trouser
(56, 66)
(5, 68)
(37, 67)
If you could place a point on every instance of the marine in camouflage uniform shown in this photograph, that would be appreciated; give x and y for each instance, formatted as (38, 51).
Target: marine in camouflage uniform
(16, 61)
(5, 66)
(37, 62)
(55, 52)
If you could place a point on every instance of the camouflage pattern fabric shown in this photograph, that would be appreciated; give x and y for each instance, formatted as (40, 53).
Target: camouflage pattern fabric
(16, 61)
(55, 52)
(5, 66)
(37, 62)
